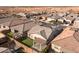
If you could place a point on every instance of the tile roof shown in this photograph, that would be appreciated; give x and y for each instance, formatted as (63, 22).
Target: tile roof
(18, 21)
(3, 20)
(68, 41)
(68, 17)
(29, 25)
(13, 21)
(36, 30)
(66, 33)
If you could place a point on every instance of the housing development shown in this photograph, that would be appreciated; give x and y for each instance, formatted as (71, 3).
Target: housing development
(41, 29)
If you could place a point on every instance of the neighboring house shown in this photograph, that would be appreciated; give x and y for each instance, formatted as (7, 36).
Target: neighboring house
(6, 21)
(68, 19)
(73, 15)
(18, 25)
(53, 18)
(76, 24)
(21, 25)
(21, 14)
(67, 41)
(61, 14)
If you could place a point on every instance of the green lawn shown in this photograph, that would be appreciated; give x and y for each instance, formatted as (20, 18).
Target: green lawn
(10, 34)
(27, 41)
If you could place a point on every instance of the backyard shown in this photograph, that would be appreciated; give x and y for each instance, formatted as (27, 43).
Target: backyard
(27, 41)
(10, 34)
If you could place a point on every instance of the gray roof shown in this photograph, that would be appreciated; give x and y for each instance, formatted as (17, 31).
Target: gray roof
(29, 25)
(37, 29)
(3, 20)
(74, 15)
(18, 21)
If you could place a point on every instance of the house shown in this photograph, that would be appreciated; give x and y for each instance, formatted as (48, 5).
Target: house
(21, 25)
(6, 21)
(76, 24)
(29, 25)
(16, 25)
(38, 31)
(67, 41)
(61, 14)
(74, 15)
(21, 14)
(53, 18)
(42, 35)
(68, 19)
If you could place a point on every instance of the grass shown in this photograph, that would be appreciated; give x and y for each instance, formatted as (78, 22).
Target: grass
(10, 34)
(27, 41)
